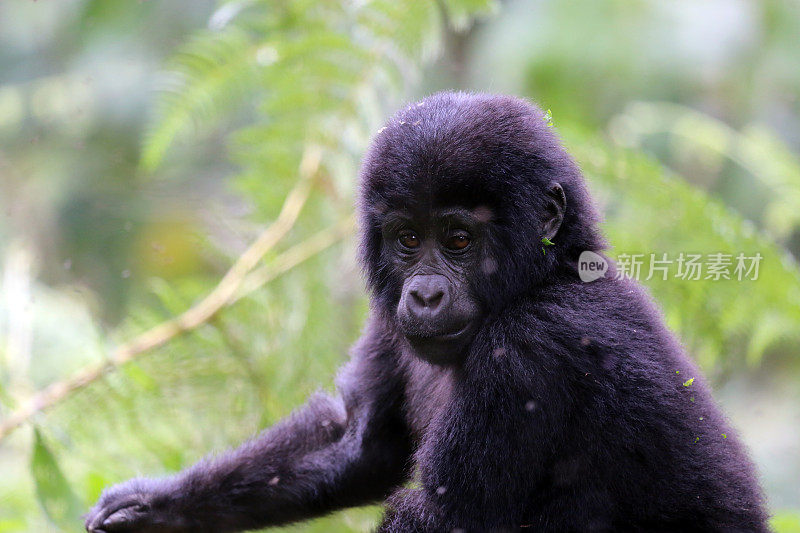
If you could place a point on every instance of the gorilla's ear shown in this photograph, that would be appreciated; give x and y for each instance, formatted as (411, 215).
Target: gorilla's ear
(556, 203)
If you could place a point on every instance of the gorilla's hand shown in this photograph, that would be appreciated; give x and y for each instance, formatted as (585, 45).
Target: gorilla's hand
(136, 506)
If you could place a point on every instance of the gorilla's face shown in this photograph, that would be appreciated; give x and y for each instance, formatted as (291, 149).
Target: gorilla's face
(434, 254)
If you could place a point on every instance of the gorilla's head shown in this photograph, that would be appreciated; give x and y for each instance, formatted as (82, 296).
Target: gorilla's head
(461, 195)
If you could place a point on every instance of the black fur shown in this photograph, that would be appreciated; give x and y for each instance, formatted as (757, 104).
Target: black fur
(566, 412)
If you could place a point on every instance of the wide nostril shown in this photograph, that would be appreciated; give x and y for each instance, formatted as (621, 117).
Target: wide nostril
(417, 298)
(435, 299)
(429, 299)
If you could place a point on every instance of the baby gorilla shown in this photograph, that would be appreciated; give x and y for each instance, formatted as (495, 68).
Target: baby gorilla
(515, 394)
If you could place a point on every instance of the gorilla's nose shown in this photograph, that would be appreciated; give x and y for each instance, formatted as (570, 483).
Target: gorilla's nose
(427, 295)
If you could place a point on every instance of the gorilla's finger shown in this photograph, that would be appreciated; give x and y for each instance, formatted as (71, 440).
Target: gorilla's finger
(126, 518)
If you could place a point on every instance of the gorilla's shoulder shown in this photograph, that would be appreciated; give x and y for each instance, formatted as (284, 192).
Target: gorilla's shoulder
(589, 320)
(578, 303)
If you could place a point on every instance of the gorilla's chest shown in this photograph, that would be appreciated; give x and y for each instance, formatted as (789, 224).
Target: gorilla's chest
(428, 390)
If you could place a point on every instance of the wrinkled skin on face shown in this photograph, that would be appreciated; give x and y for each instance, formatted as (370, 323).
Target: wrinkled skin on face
(436, 252)
(434, 255)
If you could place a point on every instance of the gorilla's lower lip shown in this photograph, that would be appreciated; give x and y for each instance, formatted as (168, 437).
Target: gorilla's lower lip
(453, 335)
(443, 337)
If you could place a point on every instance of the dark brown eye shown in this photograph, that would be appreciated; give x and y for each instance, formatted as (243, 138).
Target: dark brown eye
(457, 242)
(409, 240)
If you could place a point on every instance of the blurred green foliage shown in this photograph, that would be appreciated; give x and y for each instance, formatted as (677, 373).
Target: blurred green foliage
(122, 206)
(723, 323)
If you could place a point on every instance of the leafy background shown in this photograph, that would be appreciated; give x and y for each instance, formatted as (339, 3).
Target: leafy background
(145, 145)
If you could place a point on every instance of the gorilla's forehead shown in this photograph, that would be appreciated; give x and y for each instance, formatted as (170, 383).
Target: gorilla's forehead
(420, 197)
(456, 149)
(443, 217)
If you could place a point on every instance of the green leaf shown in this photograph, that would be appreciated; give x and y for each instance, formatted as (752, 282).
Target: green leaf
(546, 242)
(53, 491)
(548, 118)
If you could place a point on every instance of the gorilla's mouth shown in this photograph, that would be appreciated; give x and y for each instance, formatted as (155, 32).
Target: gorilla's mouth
(456, 334)
(441, 348)
(452, 335)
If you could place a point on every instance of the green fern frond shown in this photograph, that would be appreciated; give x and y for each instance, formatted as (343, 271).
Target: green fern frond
(305, 65)
(213, 72)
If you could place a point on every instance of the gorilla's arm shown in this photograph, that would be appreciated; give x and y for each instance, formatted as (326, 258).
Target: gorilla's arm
(332, 453)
